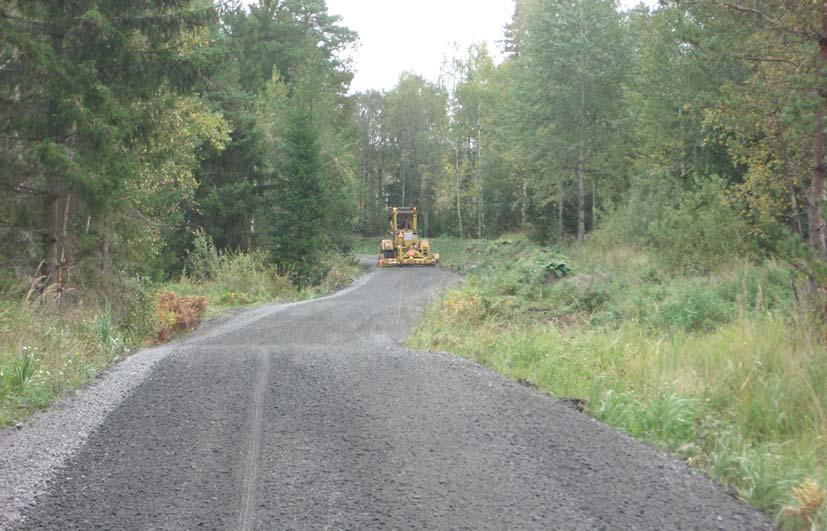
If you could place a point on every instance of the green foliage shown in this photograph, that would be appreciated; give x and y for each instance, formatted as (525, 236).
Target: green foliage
(111, 344)
(559, 267)
(203, 260)
(284, 56)
(132, 306)
(694, 231)
(104, 94)
(399, 149)
(699, 230)
(296, 234)
(694, 306)
(43, 354)
(810, 267)
(15, 375)
(237, 279)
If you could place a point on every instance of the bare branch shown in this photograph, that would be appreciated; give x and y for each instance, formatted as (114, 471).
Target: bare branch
(23, 189)
(776, 25)
(6, 228)
(37, 23)
(772, 60)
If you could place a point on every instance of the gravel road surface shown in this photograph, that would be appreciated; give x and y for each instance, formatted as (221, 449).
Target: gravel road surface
(312, 416)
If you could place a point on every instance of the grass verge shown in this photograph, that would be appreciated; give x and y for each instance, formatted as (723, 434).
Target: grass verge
(48, 350)
(722, 369)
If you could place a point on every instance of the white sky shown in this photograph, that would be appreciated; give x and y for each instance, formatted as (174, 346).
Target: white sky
(400, 35)
(414, 35)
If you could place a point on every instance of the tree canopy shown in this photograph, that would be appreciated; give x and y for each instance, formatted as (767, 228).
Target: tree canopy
(130, 126)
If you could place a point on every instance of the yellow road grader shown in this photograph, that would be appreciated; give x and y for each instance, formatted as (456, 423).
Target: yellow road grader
(405, 246)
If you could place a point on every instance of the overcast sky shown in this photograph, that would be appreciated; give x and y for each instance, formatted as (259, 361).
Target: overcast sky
(400, 35)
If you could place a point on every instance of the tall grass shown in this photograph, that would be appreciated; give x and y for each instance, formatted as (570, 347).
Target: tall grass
(722, 369)
(45, 353)
(241, 279)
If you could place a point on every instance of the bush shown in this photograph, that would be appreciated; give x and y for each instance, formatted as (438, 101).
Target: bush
(694, 232)
(248, 274)
(178, 314)
(135, 315)
(340, 272)
(582, 293)
(203, 259)
(701, 231)
(111, 344)
(235, 278)
(694, 305)
(15, 374)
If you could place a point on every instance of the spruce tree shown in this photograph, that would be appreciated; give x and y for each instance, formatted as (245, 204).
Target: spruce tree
(83, 68)
(296, 235)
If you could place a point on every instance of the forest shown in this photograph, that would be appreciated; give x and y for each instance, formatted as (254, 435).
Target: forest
(131, 127)
(215, 148)
(695, 112)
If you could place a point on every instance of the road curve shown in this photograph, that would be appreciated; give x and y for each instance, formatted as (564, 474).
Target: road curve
(313, 416)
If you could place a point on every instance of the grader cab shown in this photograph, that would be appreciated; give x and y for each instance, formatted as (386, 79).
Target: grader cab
(405, 246)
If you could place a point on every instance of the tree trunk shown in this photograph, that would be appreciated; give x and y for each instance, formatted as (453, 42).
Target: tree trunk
(524, 205)
(402, 170)
(103, 249)
(788, 179)
(581, 170)
(52, 237)
(457, 174)
(252, 234)
(560, 212)
(594, 200)
(480, 190)
(56, 194)
(380, 196)
(57, 203)
(780, 147)
(817, 229)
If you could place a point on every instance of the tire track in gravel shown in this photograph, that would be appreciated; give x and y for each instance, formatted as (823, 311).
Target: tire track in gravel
(246, 517)
(31, 456)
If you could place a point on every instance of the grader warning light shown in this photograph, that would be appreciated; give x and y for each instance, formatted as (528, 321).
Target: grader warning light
(405, 247)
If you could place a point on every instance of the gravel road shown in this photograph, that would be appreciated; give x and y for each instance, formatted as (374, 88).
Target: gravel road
(312, 415)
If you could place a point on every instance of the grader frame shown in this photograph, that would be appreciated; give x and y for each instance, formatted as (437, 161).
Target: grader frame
(405, 246)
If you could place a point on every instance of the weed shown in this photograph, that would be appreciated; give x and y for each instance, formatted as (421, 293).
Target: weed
(203, 259)
(15, 375)
(177, 314)
(694, 306)
(111, 345)
(809, 498)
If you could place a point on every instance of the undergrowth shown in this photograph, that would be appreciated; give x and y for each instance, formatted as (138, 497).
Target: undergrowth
(725, 369)
(46, 352)
(242, 279)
